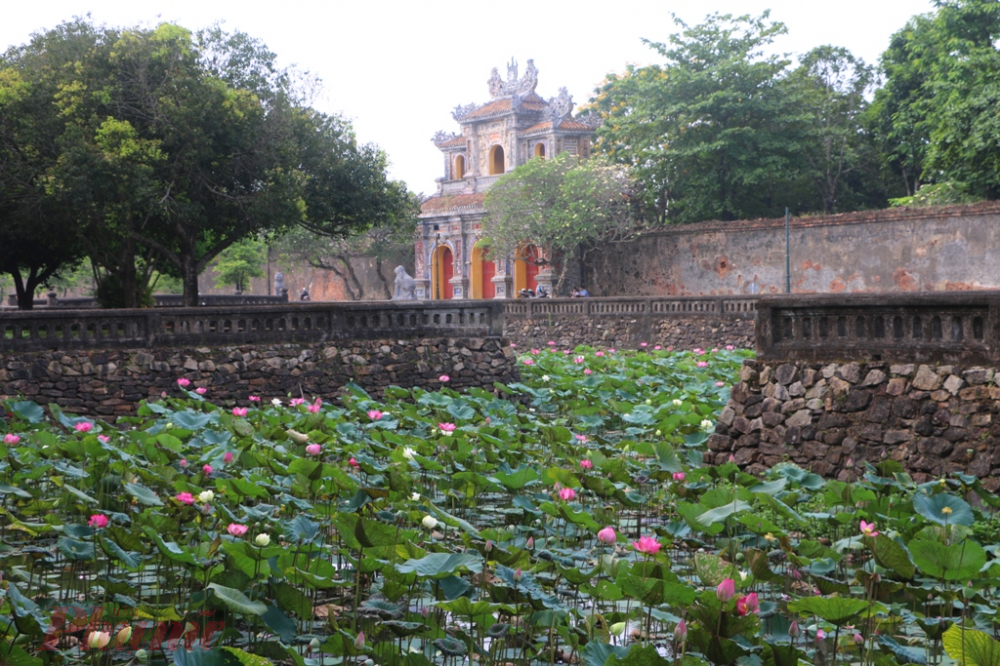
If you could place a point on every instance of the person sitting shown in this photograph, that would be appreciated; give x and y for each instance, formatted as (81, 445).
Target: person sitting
(582, 292)
(575, 293)
(542, 292)
(304, 296)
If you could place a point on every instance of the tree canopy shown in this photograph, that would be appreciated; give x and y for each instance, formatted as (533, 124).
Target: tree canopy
(563, 204)
(156, 149)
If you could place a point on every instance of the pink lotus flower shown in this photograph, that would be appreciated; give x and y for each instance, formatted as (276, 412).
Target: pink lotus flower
(715, 349)
(353, 463)
(726, 589)
(551, 343)
(253, 398)
(183, 462)
(536, 352)
(566, 494)
(185, 498)
(227, 457)
(820, 635)
(315, 407)
(600, 353)
(658, 347)
(447, 428)
(586, 464)
(720, 384)
(748, 604)
(732, 458)
(528, 361)
(588, 371)
(681, 631)
(648, 545)
(702, 364)
(98, 521)
(567, 351)
(236, 529)
(374, 414)
(607, 535)
(239, 411)
(611, 351)
(578, 360)
(11, 438)
(295, 402)
(183, 382)
(103, 439)
(207, 469)
(84, 426)
(679, 476)
(730, 347)
(513, 344)
(445, 378)
(868, 529)
(313, 449)
(201, 390)
(858, 638)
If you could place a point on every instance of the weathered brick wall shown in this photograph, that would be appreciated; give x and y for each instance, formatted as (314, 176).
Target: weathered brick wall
(897, 250)
(109, 383)
(626, 332)
(831, 417)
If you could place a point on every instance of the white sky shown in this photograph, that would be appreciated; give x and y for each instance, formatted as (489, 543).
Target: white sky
(396, 69)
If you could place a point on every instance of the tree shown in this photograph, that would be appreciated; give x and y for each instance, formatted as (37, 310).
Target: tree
(715, 132)
(389, 242)
(565, 205)
(834, 84)
(166, 147)
(934, 118)
(239, 263)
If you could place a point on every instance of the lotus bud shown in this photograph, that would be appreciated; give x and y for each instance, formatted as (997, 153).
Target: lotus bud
(123, 635)
(141, 655)
(314, 644)
(793, 629)
(681, 631)
(518, 574)
(359, 642)
(530, 545)
(726, 589)
(297, 437)
(488, 547)
(98, 640)
(858, 639)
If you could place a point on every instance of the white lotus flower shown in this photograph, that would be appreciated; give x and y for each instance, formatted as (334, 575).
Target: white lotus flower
(276, 402)
(430, 522)
(415, 497)
(409, 453)
(707, 425)
(677, 402)
(262, 540)
(206, 496)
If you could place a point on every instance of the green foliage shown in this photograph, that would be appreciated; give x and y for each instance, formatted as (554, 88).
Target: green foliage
(239, 263)
(563, 204)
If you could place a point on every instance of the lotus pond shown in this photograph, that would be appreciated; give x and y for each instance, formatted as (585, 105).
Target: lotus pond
(567, 518)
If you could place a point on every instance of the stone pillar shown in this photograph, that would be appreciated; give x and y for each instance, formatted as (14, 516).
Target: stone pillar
(504, 285)
(423, 289)
(545, 279)
(459, 287)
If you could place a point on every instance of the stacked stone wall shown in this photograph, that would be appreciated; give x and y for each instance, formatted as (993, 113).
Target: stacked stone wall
(832, 417)
(109, 383)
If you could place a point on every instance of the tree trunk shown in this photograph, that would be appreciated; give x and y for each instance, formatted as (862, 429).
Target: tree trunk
(25, 296)
(190, 280)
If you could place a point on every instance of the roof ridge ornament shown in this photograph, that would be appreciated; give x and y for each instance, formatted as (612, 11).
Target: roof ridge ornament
(513, 87)
(462, 111)
(441, 137)
(561, 107)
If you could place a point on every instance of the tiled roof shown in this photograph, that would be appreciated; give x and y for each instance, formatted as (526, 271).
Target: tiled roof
(500, 106)
(566, 125)
(449, 202)
(458, 141)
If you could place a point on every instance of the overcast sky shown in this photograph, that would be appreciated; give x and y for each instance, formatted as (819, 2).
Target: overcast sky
(396, 69)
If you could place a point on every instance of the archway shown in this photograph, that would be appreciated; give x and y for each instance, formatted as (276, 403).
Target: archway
(526, 268)
(483, 271)
(497, 164)
(459, 168)
(442, 270)
(540, 150)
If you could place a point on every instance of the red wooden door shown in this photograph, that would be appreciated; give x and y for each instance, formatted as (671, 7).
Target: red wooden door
(447, 273)
(489, 270)
(531, 267)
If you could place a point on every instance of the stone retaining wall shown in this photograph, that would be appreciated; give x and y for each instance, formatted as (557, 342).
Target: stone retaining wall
(108, 383)
(624, 331)
(831, 417)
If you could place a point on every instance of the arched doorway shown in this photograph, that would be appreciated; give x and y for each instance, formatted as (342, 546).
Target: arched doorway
(483, 271)
(497, 164)
(540, 150)
(442, 270)
(526, 268)
(459, 168)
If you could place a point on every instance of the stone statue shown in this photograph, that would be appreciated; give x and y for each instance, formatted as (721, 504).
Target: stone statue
(405, 286)
(279, 283)
(495, 83)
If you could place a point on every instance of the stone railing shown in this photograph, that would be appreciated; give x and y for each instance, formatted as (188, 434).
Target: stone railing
(954, 327)
(160, 300)
(728, 306)
(210, 326)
